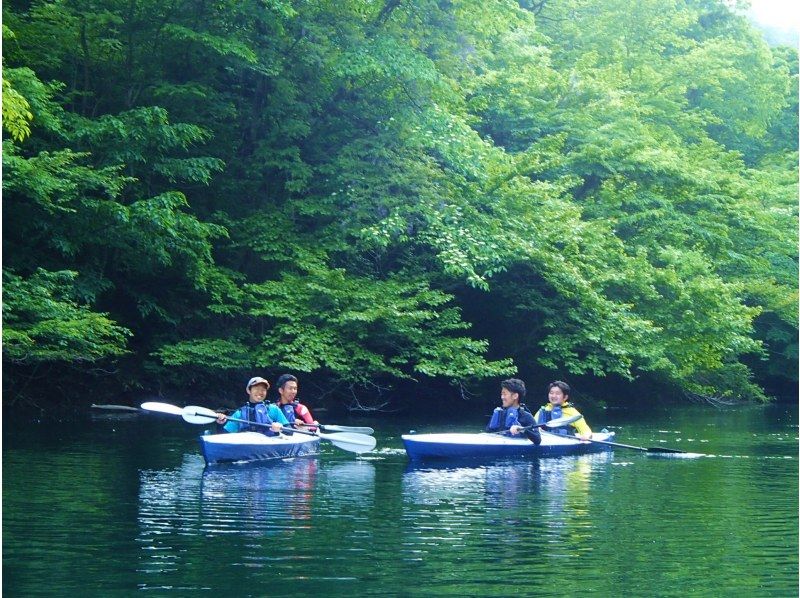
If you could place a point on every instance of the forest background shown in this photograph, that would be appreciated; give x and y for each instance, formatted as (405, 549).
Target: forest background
(397, 200)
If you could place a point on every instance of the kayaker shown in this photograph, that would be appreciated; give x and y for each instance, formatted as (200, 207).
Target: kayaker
(255, 410)
(559, 406)
(513, 416)
(293, 410)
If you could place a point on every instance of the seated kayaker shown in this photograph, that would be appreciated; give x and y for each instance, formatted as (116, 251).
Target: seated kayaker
(295, 412)
(559, 406)
(513, 417)
(256, 411)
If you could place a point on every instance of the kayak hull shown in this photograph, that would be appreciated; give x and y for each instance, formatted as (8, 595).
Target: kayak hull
(254, 446)
(492, 446)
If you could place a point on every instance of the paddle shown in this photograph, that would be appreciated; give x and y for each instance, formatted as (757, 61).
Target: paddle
(154, 407)
(556, 423)
(628, 446)
(115, 407)
(335, 428)
(348, 441)
(162, 408)
(553, 423)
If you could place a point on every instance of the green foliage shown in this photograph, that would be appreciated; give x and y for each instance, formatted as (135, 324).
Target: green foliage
(318, 186)
(16, 113)
(359, 328)
(206, 353)
(42, 323)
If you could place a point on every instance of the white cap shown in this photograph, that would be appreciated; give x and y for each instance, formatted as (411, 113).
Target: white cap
(256, 380)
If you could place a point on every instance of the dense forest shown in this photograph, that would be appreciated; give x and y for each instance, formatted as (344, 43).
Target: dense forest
(388, 197)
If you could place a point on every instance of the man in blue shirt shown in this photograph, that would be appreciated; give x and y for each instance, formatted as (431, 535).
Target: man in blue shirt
(256, 411)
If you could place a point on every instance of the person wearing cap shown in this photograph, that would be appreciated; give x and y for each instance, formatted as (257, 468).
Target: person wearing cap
(295, 412)
(256, 411)
(513, 417)
(558, 405)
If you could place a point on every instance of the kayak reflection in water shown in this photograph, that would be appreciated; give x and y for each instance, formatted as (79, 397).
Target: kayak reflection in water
(513, 417)
(293, 410)
(256, 411)
(559, 406)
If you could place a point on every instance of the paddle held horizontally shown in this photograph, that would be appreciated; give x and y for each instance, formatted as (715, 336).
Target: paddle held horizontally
(348, 441)
(173, 410)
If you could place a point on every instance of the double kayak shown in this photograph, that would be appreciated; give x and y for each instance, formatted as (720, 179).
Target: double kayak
(254, 446)
(490, 446)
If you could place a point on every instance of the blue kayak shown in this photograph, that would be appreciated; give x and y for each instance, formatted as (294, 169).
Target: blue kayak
(254, 446)
(486, 445)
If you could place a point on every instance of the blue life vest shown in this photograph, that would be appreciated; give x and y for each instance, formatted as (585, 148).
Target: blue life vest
(288, 410)
(503, 419)
(259, 413)
(555, 413)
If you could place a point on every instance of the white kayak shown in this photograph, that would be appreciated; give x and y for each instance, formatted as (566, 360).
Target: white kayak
(489, 445)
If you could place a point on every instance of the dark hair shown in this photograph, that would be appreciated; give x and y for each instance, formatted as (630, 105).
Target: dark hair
(514, 385)
(283, 379)
(562, 385)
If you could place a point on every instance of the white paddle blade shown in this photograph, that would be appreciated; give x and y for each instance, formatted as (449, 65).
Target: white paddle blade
(356, 429)
(563, 421)
(162, 408)
(198, 415)
(355, 443)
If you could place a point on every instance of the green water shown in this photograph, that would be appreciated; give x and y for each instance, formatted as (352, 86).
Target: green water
(116, 505)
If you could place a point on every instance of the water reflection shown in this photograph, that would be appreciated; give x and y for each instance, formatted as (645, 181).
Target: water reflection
(247, 497)
(263, 512)
(504, 504)
(503, 483)
(147, 515)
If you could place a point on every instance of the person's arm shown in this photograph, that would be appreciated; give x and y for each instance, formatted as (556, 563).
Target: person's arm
(278, 418)
(582, 429)
(303, 413)
(524, 419)
(229, 425)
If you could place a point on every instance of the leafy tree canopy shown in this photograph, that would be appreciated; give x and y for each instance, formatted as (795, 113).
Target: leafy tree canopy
(352, 189)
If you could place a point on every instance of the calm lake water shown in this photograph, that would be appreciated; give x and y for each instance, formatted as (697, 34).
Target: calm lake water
(115, 505)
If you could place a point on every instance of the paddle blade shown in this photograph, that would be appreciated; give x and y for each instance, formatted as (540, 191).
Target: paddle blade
(562, 421)
(162, 408)
(348, 441)
(354, 429)
(198, 415)
(664, 450)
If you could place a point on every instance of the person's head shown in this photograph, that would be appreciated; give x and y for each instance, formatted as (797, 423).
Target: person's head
(257, 389)
(558, 392)
(287, 388)
(512, 392)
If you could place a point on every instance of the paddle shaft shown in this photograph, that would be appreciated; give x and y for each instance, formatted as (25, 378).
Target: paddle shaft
(652, 449)
(245, 421)
(286, 428)
(173, 410)
(353, 442)
(555, 423)
(116, 408)
(629, 446)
